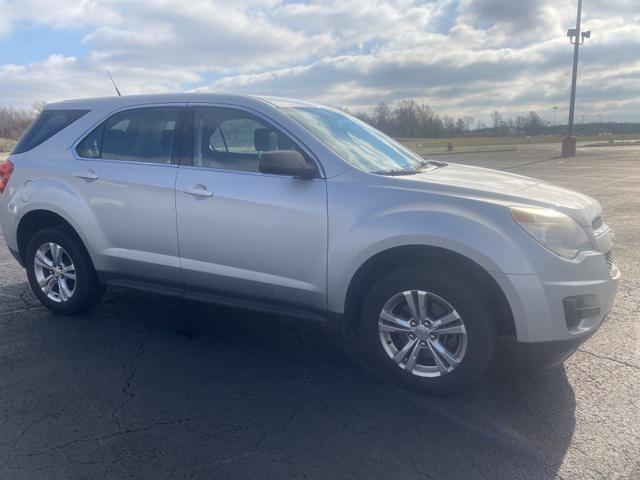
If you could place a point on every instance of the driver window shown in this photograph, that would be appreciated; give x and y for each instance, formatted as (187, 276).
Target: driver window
(233, 139)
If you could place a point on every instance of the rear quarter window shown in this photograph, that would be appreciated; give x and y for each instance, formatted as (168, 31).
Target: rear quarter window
(48, 123)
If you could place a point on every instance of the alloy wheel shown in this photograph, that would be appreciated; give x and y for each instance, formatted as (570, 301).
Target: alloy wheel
(422, 333)
(55, 272)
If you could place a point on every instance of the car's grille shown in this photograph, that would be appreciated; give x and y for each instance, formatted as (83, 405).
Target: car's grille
(597, 222)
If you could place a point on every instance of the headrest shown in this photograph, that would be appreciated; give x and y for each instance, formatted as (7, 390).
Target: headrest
(263, 140)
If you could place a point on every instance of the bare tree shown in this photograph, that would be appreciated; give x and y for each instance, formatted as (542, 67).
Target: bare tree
(463, 125)
(496, 116)
(449, 125)
(406, 119)
(521, 125)
(382, 116)
(430, 122)
(38, 106)
(535, 124)
(14, 121)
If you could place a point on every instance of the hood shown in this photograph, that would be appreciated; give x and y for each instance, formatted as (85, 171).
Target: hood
(504, 187)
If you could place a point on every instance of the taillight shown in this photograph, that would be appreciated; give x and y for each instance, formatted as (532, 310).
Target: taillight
(6, 169)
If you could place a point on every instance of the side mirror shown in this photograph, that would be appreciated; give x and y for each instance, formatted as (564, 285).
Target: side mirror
(286, 162)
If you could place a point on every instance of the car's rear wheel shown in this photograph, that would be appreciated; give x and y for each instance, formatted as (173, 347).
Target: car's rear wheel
(60, 271)
(428, 329)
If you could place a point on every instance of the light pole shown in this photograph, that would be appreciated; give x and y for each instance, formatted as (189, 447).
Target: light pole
(555, 111)
(576, 38)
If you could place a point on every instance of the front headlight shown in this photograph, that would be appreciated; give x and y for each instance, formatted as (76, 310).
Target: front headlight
(556, 231)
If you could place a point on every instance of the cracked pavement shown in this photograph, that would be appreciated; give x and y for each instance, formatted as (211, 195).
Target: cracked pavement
(149, 387)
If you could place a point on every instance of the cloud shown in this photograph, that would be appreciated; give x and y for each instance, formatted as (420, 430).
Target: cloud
(522, 14)
(461, 56)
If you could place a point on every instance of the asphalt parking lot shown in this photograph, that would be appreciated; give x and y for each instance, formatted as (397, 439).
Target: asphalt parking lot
(149, 387)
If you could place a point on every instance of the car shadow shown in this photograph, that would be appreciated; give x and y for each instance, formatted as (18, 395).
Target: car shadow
(153, 387)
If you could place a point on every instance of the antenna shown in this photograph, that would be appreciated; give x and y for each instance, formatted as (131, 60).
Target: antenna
(114, 83)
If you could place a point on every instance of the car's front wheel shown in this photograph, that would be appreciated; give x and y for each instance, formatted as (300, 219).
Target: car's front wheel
(428, 329)
(60, 271)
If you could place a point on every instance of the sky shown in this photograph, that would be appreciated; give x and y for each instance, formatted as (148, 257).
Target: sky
(462, 57)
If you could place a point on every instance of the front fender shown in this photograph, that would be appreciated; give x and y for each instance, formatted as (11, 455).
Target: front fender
(482, 232)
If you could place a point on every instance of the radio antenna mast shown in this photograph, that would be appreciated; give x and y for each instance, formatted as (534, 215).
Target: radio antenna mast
(114, 83)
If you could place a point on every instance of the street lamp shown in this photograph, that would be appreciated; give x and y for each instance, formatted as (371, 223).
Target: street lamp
(576, 38)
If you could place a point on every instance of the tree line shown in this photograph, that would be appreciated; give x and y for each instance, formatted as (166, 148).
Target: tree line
(14, 121)
(409, 119)
(531, 124)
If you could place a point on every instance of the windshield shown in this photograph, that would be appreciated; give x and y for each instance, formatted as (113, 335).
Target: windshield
(359, 144)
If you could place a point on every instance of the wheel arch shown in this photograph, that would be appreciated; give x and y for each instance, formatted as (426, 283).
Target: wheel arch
(36, 220)
(392, 258)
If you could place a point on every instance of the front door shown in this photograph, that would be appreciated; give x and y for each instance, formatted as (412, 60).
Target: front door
(246, 234)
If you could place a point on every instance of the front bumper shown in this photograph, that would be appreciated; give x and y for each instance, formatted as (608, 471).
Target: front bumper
(562, 306)
(540, 355)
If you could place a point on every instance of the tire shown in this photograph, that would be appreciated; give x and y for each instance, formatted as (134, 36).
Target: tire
(84, 289)
(449, 294)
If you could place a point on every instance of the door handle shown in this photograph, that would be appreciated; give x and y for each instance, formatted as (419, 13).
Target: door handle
(86, 175)
(198, 191)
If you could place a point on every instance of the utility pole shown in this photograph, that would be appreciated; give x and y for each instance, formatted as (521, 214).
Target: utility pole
(555, 111)
(576, 38)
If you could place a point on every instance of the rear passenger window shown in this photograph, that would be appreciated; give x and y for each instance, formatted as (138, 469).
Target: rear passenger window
(139, 135)
(48, 123)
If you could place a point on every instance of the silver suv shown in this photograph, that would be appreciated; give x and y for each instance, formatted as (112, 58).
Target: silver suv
(300, 209)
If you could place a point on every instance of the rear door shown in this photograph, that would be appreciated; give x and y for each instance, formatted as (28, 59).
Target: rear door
(126, 171)
(243, 233)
